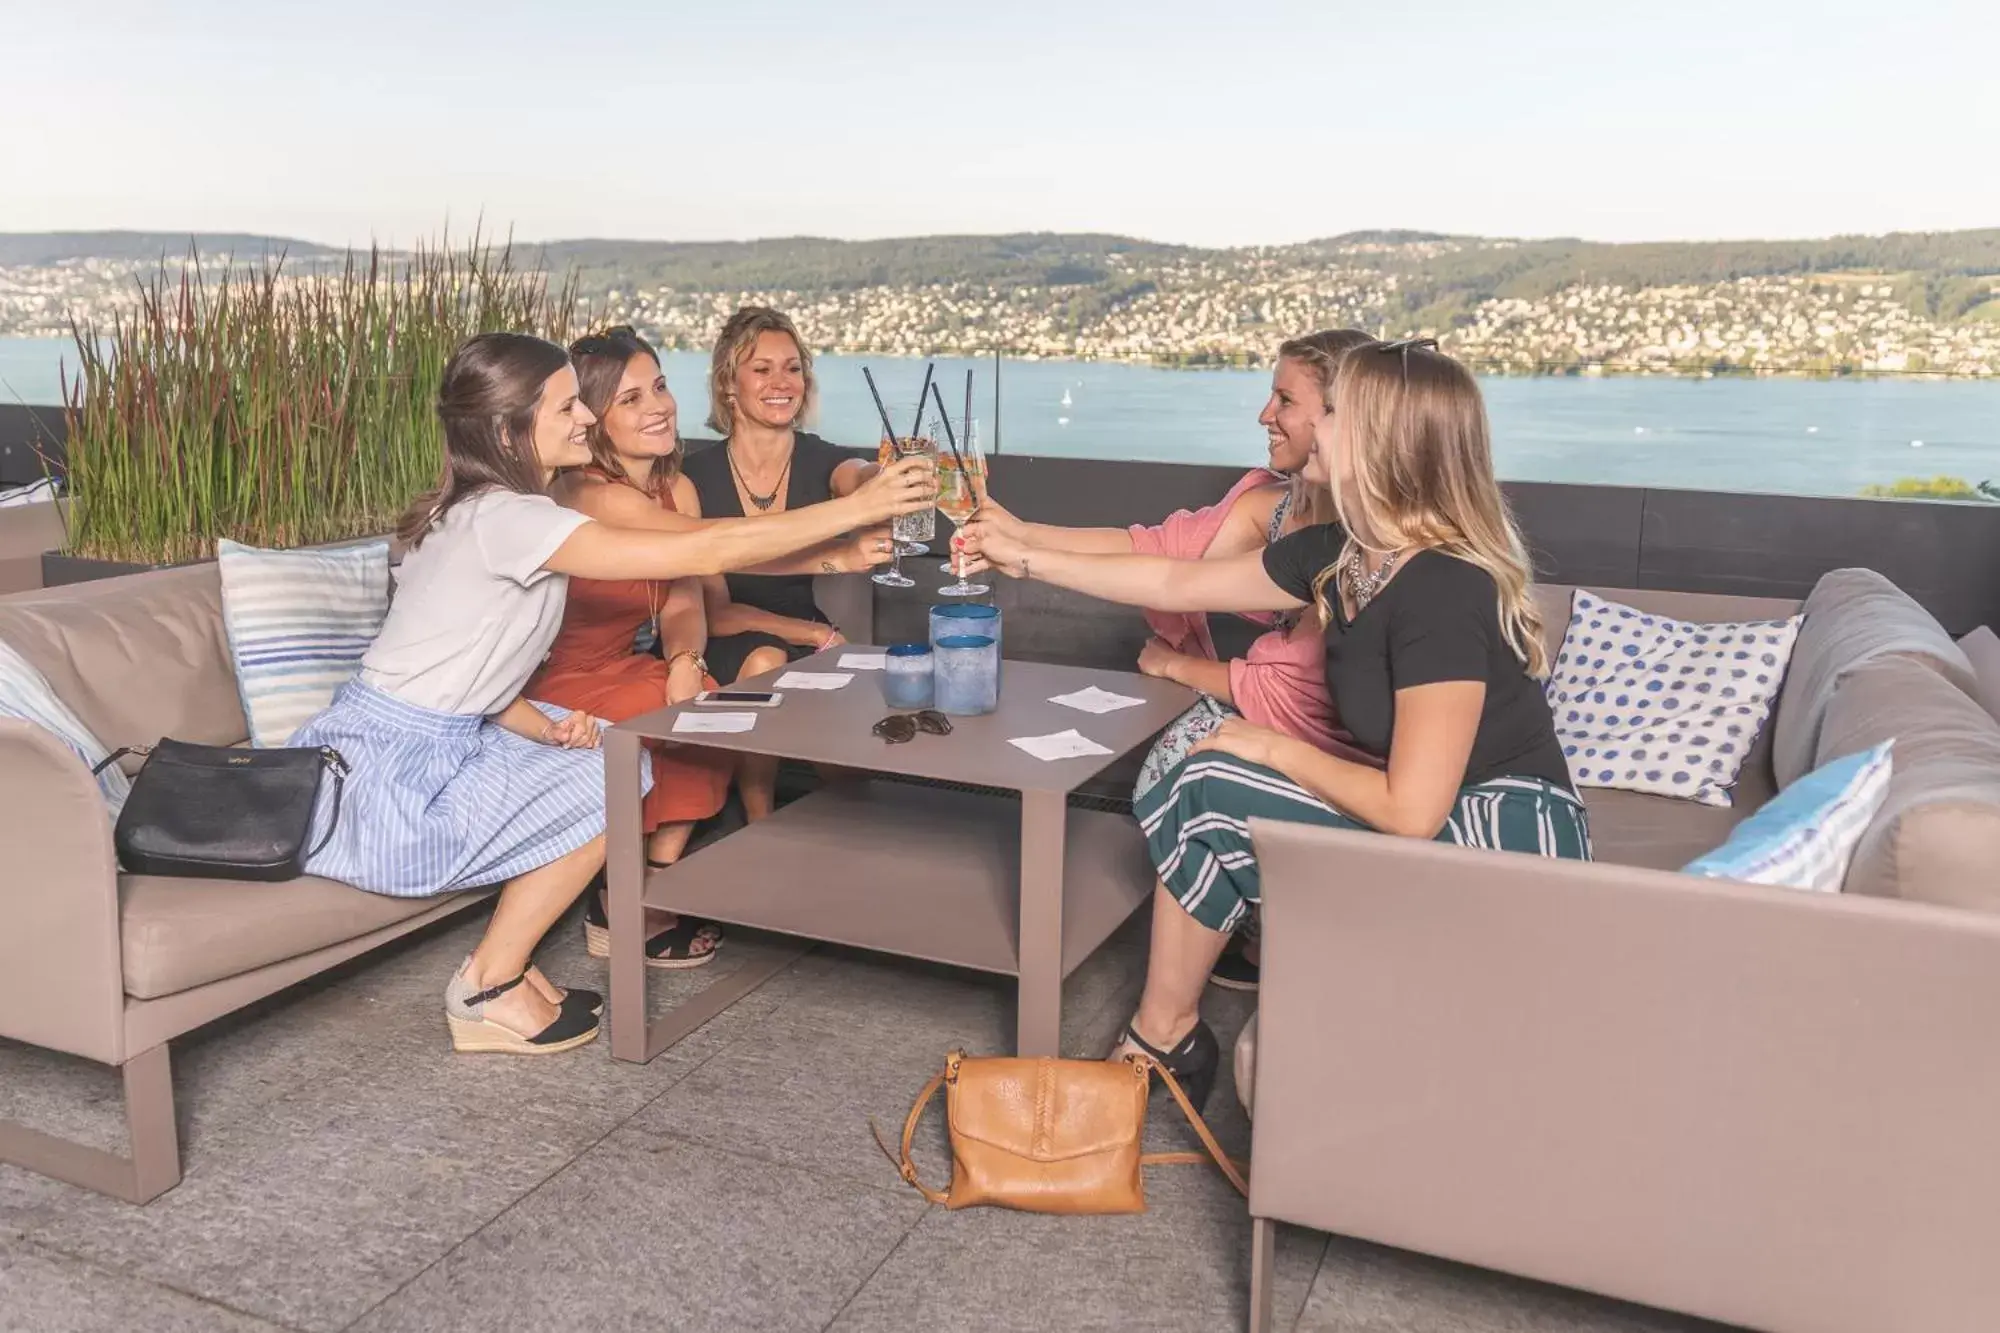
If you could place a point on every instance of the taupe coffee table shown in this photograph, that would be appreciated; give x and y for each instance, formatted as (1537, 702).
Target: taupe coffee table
(1025, 887)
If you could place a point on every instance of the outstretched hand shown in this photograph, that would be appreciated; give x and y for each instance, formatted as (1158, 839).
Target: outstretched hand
(986, 544)
(903, 487)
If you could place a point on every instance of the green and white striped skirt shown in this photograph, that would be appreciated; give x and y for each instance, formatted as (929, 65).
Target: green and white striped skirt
(1197, 826)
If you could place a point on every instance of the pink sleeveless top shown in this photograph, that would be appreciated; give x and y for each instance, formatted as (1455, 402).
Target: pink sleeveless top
(1281, 682)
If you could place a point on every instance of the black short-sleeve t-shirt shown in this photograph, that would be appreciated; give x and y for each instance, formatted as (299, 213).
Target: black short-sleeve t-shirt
(1437, 620)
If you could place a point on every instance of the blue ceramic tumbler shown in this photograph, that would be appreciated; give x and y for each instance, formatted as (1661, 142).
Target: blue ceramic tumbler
(906, 675)
(966, 675)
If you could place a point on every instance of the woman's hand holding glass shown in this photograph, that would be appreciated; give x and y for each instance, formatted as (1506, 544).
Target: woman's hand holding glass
(985, 544)
(862, 553)
(903, 487)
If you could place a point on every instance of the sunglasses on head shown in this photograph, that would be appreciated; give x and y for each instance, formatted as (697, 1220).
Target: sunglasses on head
(1403, 348)
(899, 727)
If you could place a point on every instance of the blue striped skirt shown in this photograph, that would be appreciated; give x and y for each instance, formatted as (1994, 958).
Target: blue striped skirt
(443, 801)
(1197, 826)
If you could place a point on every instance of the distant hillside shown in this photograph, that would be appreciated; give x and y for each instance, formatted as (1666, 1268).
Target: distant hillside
(27, 249)
(1440, 278)
(811, 263)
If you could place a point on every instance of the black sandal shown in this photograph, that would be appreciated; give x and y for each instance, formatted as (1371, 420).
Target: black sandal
(672, 948)
(574, 1024)
(1193, 1062)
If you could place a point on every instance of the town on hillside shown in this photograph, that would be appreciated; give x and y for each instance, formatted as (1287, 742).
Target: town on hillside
(1890, 305)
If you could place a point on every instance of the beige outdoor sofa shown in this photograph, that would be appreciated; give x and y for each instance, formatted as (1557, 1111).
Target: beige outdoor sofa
(110, 966)
(1765, 1106)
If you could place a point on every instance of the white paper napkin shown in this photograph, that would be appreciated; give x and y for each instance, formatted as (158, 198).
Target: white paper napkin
(863, 661)
(812, 680)
(1071, 744)
(1093, 700)
(714, 722)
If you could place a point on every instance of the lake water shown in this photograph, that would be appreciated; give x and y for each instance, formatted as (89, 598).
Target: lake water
(1805, 437)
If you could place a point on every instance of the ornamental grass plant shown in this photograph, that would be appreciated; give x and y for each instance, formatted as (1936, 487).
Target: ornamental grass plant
(278, 407)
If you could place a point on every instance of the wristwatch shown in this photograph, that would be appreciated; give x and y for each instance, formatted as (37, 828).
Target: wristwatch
(700, 662)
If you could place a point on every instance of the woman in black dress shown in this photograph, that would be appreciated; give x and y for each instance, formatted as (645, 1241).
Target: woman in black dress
(760, 387)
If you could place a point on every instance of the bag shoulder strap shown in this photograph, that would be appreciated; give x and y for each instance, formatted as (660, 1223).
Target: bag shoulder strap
(906, 1167)
(1231, 1169)
(336, 763)
(98, 768)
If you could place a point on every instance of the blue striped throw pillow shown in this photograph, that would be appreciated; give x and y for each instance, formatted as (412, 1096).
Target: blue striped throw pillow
(298, 624)
(1805, 836)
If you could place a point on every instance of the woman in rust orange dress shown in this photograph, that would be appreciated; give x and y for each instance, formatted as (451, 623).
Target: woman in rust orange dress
(598, 664)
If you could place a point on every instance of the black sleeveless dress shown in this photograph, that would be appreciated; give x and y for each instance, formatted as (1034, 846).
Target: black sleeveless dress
(791, 595)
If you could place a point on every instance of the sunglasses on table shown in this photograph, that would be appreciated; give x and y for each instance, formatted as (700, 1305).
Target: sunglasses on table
(899, 727)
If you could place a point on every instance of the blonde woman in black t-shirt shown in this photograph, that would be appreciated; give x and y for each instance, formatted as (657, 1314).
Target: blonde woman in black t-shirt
(1433, 659)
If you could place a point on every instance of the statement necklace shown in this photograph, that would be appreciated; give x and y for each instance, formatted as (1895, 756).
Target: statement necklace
(763, 502)
(1361, 585)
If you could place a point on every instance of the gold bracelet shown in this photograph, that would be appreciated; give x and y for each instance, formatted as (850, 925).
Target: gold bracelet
(701, 663)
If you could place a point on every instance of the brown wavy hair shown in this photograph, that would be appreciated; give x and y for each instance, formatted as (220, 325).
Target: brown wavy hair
(1320, 354)
(1422, 457)
(732, 349)
(486, 400)
(600, 359)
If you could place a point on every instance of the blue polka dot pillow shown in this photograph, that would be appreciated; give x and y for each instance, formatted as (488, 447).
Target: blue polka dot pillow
(1648, 704)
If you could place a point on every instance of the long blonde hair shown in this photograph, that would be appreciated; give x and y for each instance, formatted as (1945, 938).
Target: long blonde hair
(1414, 425)
(1319, 355)
(732, 348)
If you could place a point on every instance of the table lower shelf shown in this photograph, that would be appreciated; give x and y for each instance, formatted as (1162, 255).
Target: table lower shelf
(916, 871)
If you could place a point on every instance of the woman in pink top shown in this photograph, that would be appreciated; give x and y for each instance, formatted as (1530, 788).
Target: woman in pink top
(1280, 682)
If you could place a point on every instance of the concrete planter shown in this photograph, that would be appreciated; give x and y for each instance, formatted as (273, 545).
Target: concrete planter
(60, 569)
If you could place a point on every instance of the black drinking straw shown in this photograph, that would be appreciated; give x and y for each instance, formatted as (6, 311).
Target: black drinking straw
(930, 368)
(887, 430)
(965, 422)
(949, 437)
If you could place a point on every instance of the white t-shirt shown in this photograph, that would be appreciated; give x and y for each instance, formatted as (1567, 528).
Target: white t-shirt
(474, 611)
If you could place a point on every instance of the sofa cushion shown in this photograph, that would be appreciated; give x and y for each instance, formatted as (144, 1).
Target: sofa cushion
(135, 658)
(1754, 783)
(1805, 839)
(1853, 616)
(298, 623)
(179, 933)
(1937, 837)
(1651, 703)
(1982, 649)
(1630, 828)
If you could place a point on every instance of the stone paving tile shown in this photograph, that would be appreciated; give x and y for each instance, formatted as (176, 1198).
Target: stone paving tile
(648, 1234)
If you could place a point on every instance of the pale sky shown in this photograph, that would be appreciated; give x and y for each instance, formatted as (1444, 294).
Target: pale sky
(1213, 124)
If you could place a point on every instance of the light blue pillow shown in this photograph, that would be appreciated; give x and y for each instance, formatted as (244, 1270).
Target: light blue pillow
(298, 623)
(1805, 837)
(25, 694)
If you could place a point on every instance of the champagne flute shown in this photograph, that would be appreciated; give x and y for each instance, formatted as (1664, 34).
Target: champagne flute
(912, 532)
(961, 490)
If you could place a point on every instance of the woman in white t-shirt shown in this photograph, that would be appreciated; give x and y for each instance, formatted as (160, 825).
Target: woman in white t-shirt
(457, 780)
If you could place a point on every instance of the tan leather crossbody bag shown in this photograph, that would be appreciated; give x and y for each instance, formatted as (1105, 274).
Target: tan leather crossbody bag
(1050, 1136)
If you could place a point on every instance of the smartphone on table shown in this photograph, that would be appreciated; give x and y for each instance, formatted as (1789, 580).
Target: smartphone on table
(739, 698)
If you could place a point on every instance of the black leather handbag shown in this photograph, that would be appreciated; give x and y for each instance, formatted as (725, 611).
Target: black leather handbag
(218, 812)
